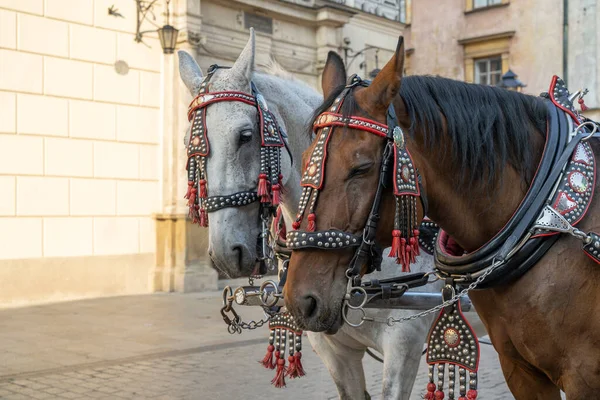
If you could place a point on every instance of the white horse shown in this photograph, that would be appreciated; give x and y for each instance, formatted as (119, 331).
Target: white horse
(233, 166)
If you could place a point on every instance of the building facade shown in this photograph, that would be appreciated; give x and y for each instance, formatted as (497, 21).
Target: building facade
(92, 122)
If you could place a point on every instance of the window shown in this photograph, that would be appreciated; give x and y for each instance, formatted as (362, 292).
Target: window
(402, 13)
(485, 3)
(488, 70)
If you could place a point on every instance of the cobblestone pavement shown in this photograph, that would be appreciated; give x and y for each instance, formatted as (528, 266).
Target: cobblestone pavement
(161, 347)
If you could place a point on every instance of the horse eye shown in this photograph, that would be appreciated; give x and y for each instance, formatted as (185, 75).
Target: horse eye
(245, 136)
(359, 170)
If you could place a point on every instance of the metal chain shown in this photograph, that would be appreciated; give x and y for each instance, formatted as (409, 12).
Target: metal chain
(235, 323)
(391, 320)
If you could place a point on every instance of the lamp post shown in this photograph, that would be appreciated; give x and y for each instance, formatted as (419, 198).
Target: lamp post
(509, 81)
(351, 54)
(167, 34)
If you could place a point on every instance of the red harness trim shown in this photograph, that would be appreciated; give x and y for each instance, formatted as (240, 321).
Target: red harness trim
(205, 99)
(333, 119)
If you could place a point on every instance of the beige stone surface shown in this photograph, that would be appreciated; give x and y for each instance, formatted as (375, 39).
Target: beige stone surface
(88, 119)
(7, 195)
(8, 112)
(147, 235)
(149, 89)
(42, 115)
(26, 78)
(138, 55)
(21, 238)
(92, 197)
(8, 29)
(28, 6)
(103, 20)
(40, 196)
(69, 157)
(137, 124)
(81, 11)
(42, 35)
(68, 78)
(91, 44)
(26, 280)
(116, 160)
(137, 197)
(68, 237)
(149, 161)
(21, 155)
(114, 235)
(111, 87)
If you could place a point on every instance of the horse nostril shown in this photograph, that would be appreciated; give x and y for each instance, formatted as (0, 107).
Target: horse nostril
(308, 306)
(240, 253)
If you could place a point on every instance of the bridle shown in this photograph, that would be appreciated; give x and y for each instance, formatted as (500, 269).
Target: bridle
(396, 163)
(270, 180)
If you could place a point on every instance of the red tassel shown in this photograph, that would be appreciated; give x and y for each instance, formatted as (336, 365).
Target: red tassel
(296, 225)
(582, 104)
(439, 395)
(202, 183)
(291, 369)
(192, 197)
(279, 380)
(407, 258)
(417, 247)
(203, 218)
(472, 394)
(414, 249)
(193, 213)
(395, 251)
(267, 361)
(401, 259)
(312, 225)
(262, 192)
(276, 195)
(430, 390)
(299, 367)
(189, 190)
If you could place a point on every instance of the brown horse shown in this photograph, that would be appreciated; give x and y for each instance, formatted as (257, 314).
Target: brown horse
(476, 149)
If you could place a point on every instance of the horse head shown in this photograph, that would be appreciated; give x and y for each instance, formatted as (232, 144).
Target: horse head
(233, 161)
(345, 178)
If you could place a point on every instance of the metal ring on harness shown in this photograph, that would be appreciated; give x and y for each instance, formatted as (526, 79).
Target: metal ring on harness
(352, 324)
(349, 297)
(265, 297)
(227, 298)
(587, 123)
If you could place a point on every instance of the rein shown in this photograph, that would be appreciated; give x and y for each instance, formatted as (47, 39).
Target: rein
(396, 163)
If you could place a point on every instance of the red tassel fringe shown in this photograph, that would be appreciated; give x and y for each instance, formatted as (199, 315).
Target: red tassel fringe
(279, 380)
(439, 395)
(267, 361)
(202, 183)
(430, 391)
(295, 369)
(395, 251)
(472, 394)
(416, 236)
(203, 218)
(296, 225)
(276, 194)
(312, 224)
(263, 192)
(299, 368)
(189, 190)
(582, 105)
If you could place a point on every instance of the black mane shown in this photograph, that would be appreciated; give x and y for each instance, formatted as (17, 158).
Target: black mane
(489, 127)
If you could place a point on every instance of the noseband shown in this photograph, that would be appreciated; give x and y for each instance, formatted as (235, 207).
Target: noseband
(270, 180)
(396, 163)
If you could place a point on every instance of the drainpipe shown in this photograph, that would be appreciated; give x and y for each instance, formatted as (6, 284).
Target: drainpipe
(566, 42)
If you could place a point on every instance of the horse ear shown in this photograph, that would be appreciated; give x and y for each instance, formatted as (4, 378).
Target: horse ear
(244, 66)
(386, 85)
(334, 74)
(190, 72)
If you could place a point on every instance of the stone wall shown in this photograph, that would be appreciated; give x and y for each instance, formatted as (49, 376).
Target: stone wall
(79, 165)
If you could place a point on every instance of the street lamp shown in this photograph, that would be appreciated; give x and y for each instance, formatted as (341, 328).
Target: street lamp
(167, 34)
(509, 81)
(349, 53)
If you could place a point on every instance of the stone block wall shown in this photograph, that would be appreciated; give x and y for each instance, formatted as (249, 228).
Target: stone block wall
(79, 150)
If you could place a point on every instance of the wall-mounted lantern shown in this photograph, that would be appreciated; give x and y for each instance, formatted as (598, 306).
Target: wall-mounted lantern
(167, 34)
